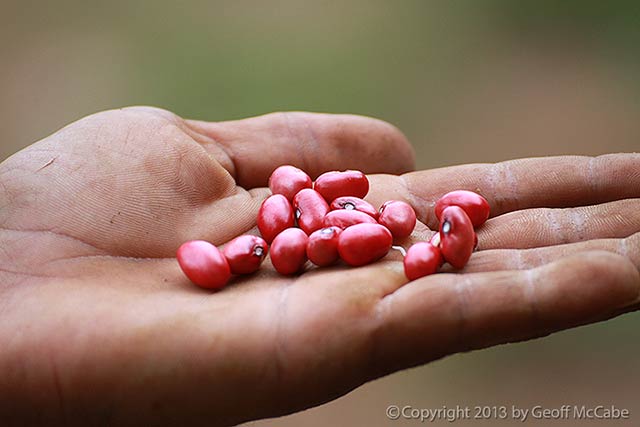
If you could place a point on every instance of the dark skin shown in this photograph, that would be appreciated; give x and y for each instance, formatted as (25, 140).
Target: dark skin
(100, 327)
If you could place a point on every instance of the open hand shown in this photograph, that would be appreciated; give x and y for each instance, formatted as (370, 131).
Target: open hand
(99, 326)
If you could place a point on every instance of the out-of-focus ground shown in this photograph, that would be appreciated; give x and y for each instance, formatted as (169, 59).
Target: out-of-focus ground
(467, 81)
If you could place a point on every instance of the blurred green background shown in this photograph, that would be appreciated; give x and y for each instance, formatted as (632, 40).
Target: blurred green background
(467, 81)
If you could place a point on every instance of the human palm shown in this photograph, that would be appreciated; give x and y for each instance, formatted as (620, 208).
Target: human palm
(99, 325)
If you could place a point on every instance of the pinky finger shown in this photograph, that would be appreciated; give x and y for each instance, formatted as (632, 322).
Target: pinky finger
(520, 259)
(449, 313)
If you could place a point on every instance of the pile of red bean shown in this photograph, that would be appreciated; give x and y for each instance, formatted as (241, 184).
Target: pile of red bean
(334, 223)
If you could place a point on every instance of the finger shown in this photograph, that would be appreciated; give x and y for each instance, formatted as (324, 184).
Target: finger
(444, 314)
(519, 259)
(251, 149)
(521, 184)
(544, 227)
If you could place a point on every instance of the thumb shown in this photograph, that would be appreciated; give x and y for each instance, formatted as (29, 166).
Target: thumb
(251, 149)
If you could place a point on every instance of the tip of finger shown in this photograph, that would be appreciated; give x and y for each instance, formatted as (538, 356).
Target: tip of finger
(405, 153)
(387, 148)
(612, 279)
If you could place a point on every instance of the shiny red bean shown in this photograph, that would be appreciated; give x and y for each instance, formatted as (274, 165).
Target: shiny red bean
(322, 247)
(275, 215)
(456, 236)
(399, 217)
(343, 218)
(354, 203)
(289, 251)
(475, 206)
(288, 181)
(422, 259)
(204, 264)
(364, 243)
(337, 184)
(310, 209)
(245, 254)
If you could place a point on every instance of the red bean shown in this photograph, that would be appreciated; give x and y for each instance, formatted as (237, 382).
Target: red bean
(456, 236)
(289, 251)
(288, 181)
(275, 215)
(475, 206)
(398, 217)
(204, 264)
(337, 184)
(310, 209)
(364, 243)
(343, 218)
(322, 247)
(245, 254)
(354, 203)
(422, 259)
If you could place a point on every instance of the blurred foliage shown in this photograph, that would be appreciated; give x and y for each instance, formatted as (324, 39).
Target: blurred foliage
(616, 20)
(410, 62)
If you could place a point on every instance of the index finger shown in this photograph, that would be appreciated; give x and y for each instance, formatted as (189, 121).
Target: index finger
(563, 181)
